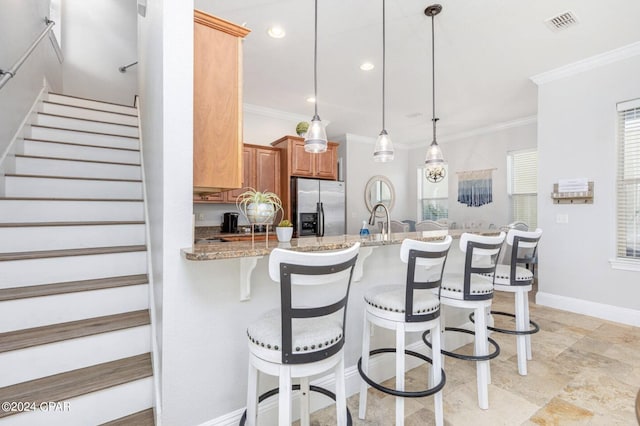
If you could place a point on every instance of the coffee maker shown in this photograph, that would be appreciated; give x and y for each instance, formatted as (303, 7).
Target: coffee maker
(230, 222)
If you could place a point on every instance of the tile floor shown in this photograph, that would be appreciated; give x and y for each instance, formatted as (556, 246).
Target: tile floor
(585, 371)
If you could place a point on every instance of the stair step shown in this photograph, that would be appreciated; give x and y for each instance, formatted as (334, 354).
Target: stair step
(48, 209)
(141, 418)
(78, 151)
(43, 186)
(91, 103)
(64, 386)
(89, 113)
(71, 287)
(69, 252)
(69, 167)
(21, 339)
(86, 138)
(71, 123)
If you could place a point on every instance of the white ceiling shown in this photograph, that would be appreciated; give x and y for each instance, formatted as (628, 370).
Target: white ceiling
(486, 51)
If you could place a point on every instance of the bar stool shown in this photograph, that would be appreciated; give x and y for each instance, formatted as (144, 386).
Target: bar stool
(306, 335)
(474, 290)
(414, 306)
(517, 279)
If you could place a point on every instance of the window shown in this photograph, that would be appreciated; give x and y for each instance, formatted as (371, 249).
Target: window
(628, 180)
(433, 198)
(522, 186)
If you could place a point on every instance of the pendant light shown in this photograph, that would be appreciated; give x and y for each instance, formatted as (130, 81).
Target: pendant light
(315, 140)
(434, 160)
(383, 150)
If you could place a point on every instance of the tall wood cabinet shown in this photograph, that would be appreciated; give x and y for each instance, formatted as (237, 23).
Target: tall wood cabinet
(297, 162)
(217, 104)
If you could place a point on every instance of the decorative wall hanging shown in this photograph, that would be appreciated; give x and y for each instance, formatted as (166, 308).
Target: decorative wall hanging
(475, 187)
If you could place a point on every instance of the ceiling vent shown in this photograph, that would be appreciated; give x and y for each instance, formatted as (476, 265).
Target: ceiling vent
(562, 21)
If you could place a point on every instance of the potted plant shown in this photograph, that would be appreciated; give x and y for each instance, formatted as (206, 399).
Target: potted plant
(284, 231)
(259, 207)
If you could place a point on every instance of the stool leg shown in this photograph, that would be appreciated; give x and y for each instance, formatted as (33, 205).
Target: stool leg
(341, 394)
(436, 373)
(252, 395)
(284, 396)
(490, 323)
(366, 337)
(521, 340)
(482, 366)
(526, 321)
(400, 373)
(304, 401)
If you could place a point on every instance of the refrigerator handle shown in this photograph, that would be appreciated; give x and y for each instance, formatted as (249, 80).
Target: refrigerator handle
(320, 232)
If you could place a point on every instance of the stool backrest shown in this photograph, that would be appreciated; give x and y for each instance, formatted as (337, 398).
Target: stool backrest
(425, 261)
(482, 253)
(313, 286)
(524, 247)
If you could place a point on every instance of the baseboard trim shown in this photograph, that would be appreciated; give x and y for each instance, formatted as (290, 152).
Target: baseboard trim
(586, 307)
(380, 368)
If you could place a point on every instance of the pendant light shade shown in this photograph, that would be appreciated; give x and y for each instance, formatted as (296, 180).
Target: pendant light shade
(434, 161)
(383, 150)
(315, 140)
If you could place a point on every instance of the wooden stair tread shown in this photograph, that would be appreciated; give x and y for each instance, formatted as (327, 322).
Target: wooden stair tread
(82, 144)
(82, 131)
(69, 199)
(71, 178)
(70, 252)
(141, 418)
(20, 339)
(14, 293)
(70, 384)
(79, 160)
(86, 119)
(91, 109)
(92, 100)
(96, 223)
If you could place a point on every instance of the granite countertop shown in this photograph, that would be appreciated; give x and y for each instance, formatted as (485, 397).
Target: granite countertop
(231, 250)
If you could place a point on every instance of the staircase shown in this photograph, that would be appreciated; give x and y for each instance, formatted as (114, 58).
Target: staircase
(75, 333)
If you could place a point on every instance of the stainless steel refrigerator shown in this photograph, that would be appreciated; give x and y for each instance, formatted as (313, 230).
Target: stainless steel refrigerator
(318, 207)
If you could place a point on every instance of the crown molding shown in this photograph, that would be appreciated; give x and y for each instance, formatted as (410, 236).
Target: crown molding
(277, 114)
(587, 64)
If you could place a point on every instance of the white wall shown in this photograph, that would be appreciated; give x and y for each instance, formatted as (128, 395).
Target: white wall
(98, 36)
(21, 22)
(577, 138)
(261, 126)
(485, 150)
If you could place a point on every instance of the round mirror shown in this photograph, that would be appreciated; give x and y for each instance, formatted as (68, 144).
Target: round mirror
(379, 190)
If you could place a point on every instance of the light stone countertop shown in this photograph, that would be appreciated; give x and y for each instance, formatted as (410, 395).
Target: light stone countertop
(231, 250)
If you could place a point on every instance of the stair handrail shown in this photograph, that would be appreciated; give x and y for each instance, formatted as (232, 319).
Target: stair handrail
(11, 72)
(124, 68)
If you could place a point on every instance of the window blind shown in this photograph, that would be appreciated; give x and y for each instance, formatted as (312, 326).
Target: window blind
(628, 181)
(523, 187)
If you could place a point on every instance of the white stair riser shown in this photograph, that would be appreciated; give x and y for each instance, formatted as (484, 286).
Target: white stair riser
(39, 238)
(91, 104)
(91, 126)
(45, 149)
(53, 358)
(12, 211)
(72, 188)
(61, 135)
(93, 408)
(40, 311)
(18, 273)
(91, 114)
(47, 167)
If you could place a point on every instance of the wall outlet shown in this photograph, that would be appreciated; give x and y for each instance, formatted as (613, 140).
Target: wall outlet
(562, 218)
(200, 216)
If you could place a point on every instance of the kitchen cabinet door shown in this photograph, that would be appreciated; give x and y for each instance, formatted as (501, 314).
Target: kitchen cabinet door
(302, 162)
(267, 170)
(326, 164)
(249, 173)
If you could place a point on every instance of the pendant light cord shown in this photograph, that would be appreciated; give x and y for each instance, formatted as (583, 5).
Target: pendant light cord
(433, 79)
(315, 61)
(384, 54)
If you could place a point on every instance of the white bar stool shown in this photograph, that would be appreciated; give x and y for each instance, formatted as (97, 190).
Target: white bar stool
(306, 335)
(414, 306)
(474, 290)
(518, 280)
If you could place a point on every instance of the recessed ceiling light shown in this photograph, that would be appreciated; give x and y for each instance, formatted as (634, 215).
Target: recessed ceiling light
(311, 99)
(276, 31)
(367, 66)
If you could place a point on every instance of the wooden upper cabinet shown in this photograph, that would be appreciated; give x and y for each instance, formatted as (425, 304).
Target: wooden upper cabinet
(217, 104)
(306, 164)
(249, 173)
(267, 170)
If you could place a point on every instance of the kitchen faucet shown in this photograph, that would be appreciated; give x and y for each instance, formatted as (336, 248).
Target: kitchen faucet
(372, 219)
